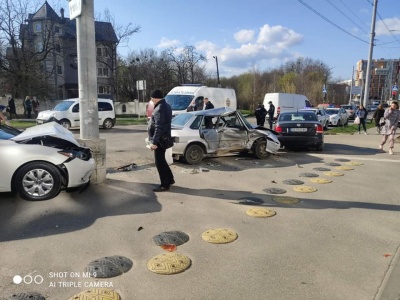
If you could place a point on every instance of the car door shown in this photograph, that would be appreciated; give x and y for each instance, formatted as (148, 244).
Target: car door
(232, 132)
(210, 135)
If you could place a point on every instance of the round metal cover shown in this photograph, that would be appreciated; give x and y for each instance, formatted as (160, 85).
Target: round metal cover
(333, 174)
(109, 266)
(293, 182)
(342, 159)
(260, 212)
(308, 175)
(286, 200)
(275, 191)
(176, 238)
(322, 169)
(97, 294)
(250, 201)
(333, 164)
(169, 263)
(320, 180)
(304, 189)
(354, 163)
(25, 296)
(344, 168)
(219, 236)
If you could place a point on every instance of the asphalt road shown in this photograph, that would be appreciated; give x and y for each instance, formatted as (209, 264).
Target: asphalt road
(340, 242)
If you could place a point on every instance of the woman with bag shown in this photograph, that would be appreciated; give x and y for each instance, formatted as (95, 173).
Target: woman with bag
(362, 114)
(392, 117)
(377, 116)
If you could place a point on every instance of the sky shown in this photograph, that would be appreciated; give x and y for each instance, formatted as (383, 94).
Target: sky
(262, 34)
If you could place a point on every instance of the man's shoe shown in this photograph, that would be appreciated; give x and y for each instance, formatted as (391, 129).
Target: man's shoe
(161, 189)
(172, 182)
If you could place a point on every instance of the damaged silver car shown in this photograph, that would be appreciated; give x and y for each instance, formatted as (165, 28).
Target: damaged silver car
(217, 132)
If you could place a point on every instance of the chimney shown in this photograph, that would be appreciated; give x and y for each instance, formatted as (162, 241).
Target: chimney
(62, 13)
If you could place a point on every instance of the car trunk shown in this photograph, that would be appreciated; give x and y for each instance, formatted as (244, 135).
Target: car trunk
(298, 129)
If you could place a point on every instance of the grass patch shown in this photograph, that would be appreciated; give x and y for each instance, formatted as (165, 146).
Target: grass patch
(349, 129)
(22, 124)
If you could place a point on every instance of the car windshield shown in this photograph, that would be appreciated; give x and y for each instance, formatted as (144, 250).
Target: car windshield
(7, 132)
(181, 120)
(179, 102)
(63, 106)
(298, 116)
(332, 111)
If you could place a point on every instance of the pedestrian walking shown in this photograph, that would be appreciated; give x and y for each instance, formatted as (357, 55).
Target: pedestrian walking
(271, 112)
(159, 132)
(392, 118)
(35, 106)
(208, 103)
(377, 116)
(260, 114)
(362, 114)
(11, 107)
(28, 106)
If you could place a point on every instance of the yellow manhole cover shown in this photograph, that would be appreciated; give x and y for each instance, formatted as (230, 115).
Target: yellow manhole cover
(333, 174)
(286, 200)
(320, 180)
(169, 263)
(304, 189)
(219, 236)
(97, 294)
(260, 212)
(344, 168)
(354, 163)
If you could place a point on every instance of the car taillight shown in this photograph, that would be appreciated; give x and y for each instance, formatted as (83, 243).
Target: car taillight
(278, 129)
(320, 129)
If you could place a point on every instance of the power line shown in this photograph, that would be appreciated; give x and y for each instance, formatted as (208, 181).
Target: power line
(355, 15)
(331, 22)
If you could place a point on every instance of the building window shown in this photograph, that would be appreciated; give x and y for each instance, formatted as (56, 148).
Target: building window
(105, 72)
(102, 72)
(59, 70)
(99, 71)
(39, 46)
(58, 48)
(99, 52)
(56, 29)
(104, 89)
(38, 27)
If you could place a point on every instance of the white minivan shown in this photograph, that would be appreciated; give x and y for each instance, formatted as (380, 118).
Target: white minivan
(66, 113)
(284, 102)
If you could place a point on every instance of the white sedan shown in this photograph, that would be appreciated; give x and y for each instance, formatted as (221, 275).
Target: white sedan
(322, 116)
(337, 116)
(40, 161)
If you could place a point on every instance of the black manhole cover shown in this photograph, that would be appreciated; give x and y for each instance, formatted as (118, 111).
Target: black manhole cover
(342, 159)
(308, 175)
(322, 169)
(293, 182)
(176, 238)
(25, 296)
(275, 191)
(333, 164)
(250, 201)
(109, 266)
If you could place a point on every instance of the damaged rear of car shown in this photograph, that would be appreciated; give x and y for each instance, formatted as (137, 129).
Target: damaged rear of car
(217, 132)
(42, 160)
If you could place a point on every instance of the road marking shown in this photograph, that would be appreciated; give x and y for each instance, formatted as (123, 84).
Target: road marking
(355, 158)
(123, 190)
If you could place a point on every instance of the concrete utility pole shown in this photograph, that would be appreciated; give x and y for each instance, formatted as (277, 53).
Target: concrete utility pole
(371, 49)
(87, 77)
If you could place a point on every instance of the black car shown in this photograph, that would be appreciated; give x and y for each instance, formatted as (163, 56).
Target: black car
(300, 129)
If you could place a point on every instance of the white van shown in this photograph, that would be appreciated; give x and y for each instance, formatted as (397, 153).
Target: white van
(66, 113)
(180, 97)
(286, 102)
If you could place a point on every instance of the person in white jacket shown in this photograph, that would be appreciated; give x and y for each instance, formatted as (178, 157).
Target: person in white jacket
(392, 118)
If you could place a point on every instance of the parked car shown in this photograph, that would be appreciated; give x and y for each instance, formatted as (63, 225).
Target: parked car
(42, 160)
(322, 116)
(300, 129)
(219, 131)
(337, 116)
(67, 114)
(351, 110)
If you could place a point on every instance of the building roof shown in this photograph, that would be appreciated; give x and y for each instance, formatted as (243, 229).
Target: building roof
(104, 31)
(45, 12)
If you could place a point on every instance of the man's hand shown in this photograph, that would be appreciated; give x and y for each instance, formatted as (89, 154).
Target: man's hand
(153, 147)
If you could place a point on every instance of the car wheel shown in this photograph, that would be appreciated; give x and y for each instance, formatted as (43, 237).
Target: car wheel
(320, 147)
(65, 123)
(107, 124)
(260, 150)
(38, 181)
(194, 154)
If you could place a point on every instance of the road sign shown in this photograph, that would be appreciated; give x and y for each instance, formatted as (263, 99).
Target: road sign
(75, 8)
(324, 89)
(395, 88)
(356, 90)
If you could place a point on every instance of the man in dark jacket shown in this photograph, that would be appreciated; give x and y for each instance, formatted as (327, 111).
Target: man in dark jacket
(260, 113)
(158, 130)
(271, 112)
(209, 105)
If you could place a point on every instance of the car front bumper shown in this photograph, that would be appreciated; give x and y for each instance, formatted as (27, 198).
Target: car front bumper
(79, 171)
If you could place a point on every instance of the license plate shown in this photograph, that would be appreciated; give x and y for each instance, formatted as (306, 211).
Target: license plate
(39, 121)
(298, 129)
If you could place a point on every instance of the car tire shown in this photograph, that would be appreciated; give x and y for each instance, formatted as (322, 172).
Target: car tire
(38, 181)
(65, 123)
(260, 151)
(320, 147)
(108, 123)
(194, 154)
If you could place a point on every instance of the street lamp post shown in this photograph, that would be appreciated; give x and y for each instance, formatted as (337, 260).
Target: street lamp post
(216, 60)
